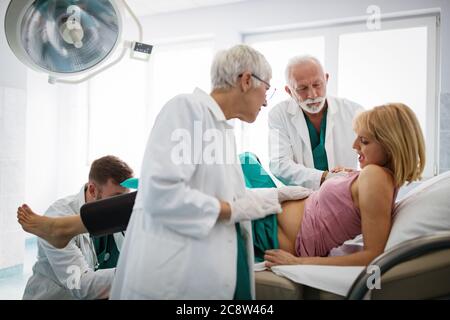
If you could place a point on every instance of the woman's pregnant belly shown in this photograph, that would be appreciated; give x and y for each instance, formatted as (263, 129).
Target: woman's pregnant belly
(289, 222)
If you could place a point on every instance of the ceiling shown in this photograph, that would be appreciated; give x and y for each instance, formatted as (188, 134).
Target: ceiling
(151, 7)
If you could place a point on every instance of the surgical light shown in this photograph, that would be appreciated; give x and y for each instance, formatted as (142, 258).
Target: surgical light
(67, 38)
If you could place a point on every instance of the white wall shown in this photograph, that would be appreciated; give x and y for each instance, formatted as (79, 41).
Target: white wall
(56, 140)
(229, 23)
(73, 167)
(13, 84)
(41, 160)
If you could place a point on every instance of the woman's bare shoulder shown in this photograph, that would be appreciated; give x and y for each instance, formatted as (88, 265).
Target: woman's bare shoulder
(376, 176)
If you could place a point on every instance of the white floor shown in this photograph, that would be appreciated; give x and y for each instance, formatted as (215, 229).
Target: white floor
(11, 288)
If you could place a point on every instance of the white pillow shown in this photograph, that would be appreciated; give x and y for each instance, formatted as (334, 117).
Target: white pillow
(423, 211)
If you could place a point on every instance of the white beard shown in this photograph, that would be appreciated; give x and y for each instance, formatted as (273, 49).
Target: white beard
(305, 105)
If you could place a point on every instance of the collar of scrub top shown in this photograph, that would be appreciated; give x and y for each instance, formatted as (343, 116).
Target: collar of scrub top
(131, 183)
(213, 106)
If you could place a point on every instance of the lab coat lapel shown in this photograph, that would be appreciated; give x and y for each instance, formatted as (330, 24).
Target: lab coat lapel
(329, 141)
(84, 240)
(299, 123)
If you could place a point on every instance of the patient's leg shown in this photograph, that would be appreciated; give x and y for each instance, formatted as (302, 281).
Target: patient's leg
(57, 231)
(289, 223)
(108, 215)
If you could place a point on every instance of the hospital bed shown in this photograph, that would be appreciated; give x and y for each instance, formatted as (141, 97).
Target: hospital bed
(415, 264)
(416, 269)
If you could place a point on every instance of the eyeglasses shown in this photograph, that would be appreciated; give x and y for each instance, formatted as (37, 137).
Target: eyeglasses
(270, 91)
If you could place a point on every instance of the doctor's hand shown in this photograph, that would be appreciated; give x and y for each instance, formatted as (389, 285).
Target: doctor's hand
(332, 175)
(336, 172)
(341, 169)
(255, 204)
(286, 193)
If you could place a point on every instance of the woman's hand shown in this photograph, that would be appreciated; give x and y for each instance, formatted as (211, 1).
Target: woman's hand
(277, 257)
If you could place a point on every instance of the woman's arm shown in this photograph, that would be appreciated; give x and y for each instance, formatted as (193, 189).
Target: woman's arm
(375, 198)
(376, 192)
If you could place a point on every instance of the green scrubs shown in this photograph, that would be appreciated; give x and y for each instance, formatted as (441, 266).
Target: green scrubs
(242, 291)
(106, 250)
(265, 230)
(105, 246)
(318, 143)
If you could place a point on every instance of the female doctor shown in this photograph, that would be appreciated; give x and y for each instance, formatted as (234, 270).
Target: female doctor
(189, 236)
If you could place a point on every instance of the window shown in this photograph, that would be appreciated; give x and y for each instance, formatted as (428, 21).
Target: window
(278, 51)
(178, 68)
(117, 112)
(125, 100)
(394, 64)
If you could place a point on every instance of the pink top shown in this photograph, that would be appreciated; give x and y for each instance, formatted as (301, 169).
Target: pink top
(330, 218)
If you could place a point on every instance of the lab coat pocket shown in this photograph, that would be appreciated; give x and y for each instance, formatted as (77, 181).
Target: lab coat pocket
(159, 267)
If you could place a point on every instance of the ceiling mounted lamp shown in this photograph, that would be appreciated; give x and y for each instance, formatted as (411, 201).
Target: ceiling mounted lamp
(68, 38)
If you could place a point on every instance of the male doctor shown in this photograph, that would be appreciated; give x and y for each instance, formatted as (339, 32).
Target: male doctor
(311, 134)
(74, 272)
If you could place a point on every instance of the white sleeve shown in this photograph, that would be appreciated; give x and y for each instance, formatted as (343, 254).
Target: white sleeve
(74, 274)
(166, 191)
(352, 109)
(282, 163)
(270, 195)
(73, 271)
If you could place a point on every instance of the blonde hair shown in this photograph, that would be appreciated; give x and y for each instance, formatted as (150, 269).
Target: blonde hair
(396, 128)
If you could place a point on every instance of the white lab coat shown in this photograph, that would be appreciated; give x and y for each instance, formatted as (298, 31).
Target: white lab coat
(57, 270)
(175, 247)
(291, 159)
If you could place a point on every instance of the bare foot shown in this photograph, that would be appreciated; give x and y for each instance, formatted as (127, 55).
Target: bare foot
(44, 227)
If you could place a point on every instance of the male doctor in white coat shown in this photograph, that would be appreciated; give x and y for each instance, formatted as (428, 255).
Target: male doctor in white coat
(189, 236)
(71, 273)
(310, 134)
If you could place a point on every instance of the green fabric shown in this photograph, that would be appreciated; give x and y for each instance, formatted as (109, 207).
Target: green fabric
(106, 250)
(131, 183)
(265, 230)
(242, 291)
(318, 143)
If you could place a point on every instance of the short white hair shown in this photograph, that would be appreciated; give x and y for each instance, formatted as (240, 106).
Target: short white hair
(297, 60)
(229, 64)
